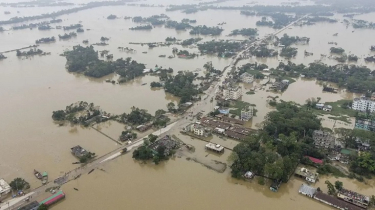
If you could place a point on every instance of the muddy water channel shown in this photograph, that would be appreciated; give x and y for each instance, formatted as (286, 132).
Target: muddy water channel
(31, 88)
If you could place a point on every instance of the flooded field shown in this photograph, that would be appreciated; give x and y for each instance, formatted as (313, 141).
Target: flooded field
(32, 88)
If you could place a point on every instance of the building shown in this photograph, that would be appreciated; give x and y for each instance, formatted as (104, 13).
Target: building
(78, 151)
(232, 91)
(334, 202)
(214, 123)
(215, 147)
(247, 78)
(279, 86)
(363, 104)
(4, 187)
(307, 190)
(234, 135)
(354, 198)
(315, 160)
(31, 206)
(327, 108)
(306, 174)
(365, 125)
(249, 175)
(247, 113)
(323, 139)
(319, 106)
(54, 198)
(143, 128)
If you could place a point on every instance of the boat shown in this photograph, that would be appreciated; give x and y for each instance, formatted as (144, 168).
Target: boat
(162, 56)
(45, 178)
(37, 174)
(144, 84)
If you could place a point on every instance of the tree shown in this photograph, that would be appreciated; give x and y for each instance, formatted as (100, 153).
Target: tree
(43, 207)
(331, 188)
(159, 112)
(338, 185)
(171, 107)
(19, 184)
(372, 200)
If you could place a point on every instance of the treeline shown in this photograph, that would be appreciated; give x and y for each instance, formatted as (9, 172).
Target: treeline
(221, 48)
(182, 86)
(205, 30)
(244, 32)
(62, 12)
(45, 40)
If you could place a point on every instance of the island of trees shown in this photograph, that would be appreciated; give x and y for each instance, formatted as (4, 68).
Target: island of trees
(2, 56)
(221, 48)
(45, 40)
(204, 30)
(85, 60)
(244, 32)
(144, 27)
(289, 52)
(176, 25)
(31, 52)
(337, 50)
(289, 40)
(71, 27)
(68, 36)
(111, 17)
(182, 86)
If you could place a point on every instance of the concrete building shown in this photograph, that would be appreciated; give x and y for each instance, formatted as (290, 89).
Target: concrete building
(365, 125)
(247, 78)
(354, 198)
(323, 139)
(215, 147)
(247, 113)
(197, 129)
(306, 174)
(232, 92)
(363, 104)
(307, 190)
(4, 187)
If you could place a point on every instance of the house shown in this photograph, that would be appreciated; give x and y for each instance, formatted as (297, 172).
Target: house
(354, 198)
(307, 190)
(143, 128)
(234, 135)
(306, 174)
(247, 78)
(365, 125)
(168, 143)
(214, 123)
(285, 81)
(78, 151)
(224, 111)
(249, 175)
(247, 113)
(323, 139)
(275, 185)
(315, 160)
(4, 187)
(279, 86)
(215, 147)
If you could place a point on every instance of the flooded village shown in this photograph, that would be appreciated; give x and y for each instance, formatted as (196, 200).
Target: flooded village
(189, 104)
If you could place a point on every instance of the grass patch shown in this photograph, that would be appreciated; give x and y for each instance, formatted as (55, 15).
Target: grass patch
(250, 93)
(338, 110)
(340, 118)
(328, 169)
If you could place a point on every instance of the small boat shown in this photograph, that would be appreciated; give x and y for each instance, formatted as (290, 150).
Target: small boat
(37, 174)
(45, 178)
(162, 56)
(144, 84)
(144, 52)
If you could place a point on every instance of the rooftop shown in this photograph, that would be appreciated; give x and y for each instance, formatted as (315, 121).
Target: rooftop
(354, 195)
(78, 151)
(307, 190)
(335, 201)
(315, 160)
(4, 186)
(215, 147)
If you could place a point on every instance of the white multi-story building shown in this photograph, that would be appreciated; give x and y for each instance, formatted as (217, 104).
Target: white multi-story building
(247, 113)
(247, 78)
(231, 92)
(363, 104)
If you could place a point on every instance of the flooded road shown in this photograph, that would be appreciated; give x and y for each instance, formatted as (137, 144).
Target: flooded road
(31, 88)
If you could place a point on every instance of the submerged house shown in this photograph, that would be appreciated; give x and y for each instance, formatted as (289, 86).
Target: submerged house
(78, 151)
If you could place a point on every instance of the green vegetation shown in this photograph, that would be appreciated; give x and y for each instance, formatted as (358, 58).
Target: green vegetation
(263, 51)
(353, 58)
(136, 116)
(111, 17)
(80, 30)
(185, 20)
(45, 40)
(204, 30)
(31, 52)
(327, 169)
(144, 27)
(254, 69)
(276, 150)
(176, 25)
(127, 135)
(221, 48)
(86, 157)
(244, 32)
(72, 27)
(2, 56)
(44, 27)
(289, 52)
(289, 40)
(19, 184)
(156, 84)
(43, 207)
(85, 60)
(238, 106)
(354, 78)
(182, 86)
(337, 50)
(68, 36)
(170, 39)
(190, 41)
(315, 19)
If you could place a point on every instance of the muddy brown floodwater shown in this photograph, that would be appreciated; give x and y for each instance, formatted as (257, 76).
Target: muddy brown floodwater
(31, 88)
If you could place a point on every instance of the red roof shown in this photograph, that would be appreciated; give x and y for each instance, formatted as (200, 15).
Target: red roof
(318, 161)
